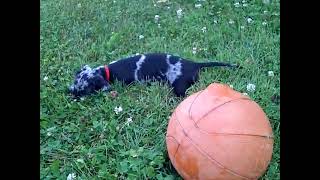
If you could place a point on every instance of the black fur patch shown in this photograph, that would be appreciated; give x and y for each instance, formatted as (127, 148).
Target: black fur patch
(176, 71)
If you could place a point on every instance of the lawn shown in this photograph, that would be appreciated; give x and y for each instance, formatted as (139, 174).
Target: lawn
(88, 138)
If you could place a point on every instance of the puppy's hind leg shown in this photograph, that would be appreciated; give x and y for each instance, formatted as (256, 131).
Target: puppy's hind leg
(180, 87)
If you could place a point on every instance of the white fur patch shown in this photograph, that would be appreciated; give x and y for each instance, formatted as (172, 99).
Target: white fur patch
(81, 83)
(83, 79)
(139, 64)
(112, 62)
(174, 70)
(168, 58)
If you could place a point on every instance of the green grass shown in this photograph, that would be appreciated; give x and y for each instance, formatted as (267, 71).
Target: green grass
(87, 137)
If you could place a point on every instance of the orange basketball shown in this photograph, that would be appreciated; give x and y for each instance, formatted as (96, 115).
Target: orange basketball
(219, 133)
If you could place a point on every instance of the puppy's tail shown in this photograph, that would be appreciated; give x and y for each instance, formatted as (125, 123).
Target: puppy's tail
(218, 64)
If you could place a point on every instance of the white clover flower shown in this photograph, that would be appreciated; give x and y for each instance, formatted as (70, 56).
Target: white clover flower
(237, 4)
(79, 5)
(129, 120)
(80, 160)
(264, 23)
(90, 155)
(162, 1)
(245, 5)
(241, 27)
(244, 1)
(251, 87)
(45, 78)
(168, 7)
(266, 1)
(51, 129)
(249, 20)
(71, 176)
(197, 5)
(204, 29)
(270, 73)
(156, 18)
(231, 21)
(141, 36)
(101, 136)
(194, 50)
(117, 110)
(179, 13)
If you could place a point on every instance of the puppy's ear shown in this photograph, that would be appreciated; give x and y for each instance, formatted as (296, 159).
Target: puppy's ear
(85, 67)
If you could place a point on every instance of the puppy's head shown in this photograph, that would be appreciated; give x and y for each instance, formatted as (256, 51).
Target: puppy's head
(88, 81)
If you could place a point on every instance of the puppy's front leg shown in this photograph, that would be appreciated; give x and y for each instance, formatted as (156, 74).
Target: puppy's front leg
(180, 87)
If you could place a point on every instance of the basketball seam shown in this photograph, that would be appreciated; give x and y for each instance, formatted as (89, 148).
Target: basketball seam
(214, 160)
(234, 134)
(174, 155)
(233, 100)
(186, 134)
(213, 109)
(207, 155)
(195, 98)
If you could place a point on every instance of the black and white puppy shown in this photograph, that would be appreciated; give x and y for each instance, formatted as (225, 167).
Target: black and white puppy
(176, 71)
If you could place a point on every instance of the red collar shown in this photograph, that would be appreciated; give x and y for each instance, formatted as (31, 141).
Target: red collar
(107, 72)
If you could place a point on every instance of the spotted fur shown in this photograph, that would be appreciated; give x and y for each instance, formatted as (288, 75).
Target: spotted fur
(179, 73)
(174, 70)
(138, 67)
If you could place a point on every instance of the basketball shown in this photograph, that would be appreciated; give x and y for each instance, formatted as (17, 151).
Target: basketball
(219, 133)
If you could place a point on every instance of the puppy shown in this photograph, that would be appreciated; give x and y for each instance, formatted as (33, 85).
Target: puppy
(176, 71)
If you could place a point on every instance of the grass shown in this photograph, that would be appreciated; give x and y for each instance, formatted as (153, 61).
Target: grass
(87, 137)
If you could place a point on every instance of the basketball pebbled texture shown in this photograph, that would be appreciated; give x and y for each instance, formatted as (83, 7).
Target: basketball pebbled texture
(219, 133)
